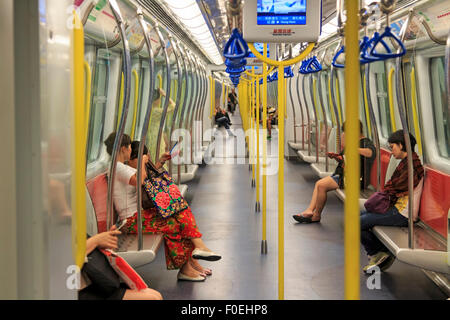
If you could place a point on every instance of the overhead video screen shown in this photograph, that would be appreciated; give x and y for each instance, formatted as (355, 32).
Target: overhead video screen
(281, 12)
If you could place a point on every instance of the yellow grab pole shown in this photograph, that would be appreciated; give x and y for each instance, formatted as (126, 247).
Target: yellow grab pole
(391, 99)
(78, 185)
(414, 110)
(366, 108)
(252, 108)
(264, 182)
(352, 165)
(338, 96)
(119, 114)
(87, 102)
(258, 169)
(281, 183)
(211, 114)
(281, 65)
(136, 99)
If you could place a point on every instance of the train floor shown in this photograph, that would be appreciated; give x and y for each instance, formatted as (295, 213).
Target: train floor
(223, 203)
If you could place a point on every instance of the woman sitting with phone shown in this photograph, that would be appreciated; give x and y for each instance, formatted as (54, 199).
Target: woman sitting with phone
(183, 243)
(367, 154)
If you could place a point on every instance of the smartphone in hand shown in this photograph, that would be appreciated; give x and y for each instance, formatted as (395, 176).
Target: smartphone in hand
(120, 224)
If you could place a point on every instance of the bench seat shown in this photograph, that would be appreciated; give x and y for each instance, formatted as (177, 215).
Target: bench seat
(186, 176)
(319, 168)
(295, 145)
(98, 192)
(429, 251)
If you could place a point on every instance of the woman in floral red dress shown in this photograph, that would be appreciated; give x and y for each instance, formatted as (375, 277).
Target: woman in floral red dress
(183, 243)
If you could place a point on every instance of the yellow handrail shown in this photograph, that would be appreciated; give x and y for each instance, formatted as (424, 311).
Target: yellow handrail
(212, 94)
(120, 103)
(330, 103)
(258, 169)
(414, 110)
(391, 99)
(136, 99)
(366, 108)
(87, 102)
(285, 63)
(352, 170)
(78, 185)
(264, 191)
(160, 88)
(281, 89)
(330, 99)
(281, 184)
(338, 96)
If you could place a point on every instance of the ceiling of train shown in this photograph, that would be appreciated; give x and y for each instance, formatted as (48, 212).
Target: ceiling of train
(222, 16)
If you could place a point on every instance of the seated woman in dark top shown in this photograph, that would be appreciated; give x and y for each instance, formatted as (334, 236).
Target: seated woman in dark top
(336, 180)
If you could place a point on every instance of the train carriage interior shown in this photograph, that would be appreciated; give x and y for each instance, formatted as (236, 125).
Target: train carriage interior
(267, 153)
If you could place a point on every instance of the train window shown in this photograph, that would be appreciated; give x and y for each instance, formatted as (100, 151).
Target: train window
(98, 109)
(441, 114)
(384, 116)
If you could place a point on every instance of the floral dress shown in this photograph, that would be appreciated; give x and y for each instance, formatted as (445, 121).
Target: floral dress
(178, 230)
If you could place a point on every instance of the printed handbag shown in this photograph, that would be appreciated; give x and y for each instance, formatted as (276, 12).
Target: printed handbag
(378, 203)
(165, 194)
(132, 279)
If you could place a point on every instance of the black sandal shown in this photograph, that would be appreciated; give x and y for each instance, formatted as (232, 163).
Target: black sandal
(302, 219)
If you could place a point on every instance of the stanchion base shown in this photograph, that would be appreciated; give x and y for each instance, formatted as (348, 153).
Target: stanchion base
(264, 247)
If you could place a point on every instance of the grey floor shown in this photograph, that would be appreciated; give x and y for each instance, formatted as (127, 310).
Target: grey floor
(223, 202)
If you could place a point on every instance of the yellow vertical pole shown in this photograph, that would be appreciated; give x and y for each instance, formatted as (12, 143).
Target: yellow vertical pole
(211, 114)
(352, 223)
(136, 99)
(258, 170)
(414, 110)
(281, 98)
(252, 107)
(78, 185)
(391, 99)
(264, 183)
(366, 108)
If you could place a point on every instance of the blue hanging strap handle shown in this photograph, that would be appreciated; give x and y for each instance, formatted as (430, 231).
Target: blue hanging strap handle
(288, 72)
(303, 66)
(235, 70)
(334, 63)
(362, 47)
(387, 34)
(236, 47)
(235, 63)
(369, 45)
(275, 76)
(313, 65)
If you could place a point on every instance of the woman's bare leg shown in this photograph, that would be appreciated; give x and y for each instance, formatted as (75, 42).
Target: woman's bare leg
(323, 186)
(199, 244)
(145, 294)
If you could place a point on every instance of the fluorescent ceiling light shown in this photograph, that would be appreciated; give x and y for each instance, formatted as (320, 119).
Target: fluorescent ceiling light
(188, 13)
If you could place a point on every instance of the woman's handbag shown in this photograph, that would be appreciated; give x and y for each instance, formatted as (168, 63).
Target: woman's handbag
(164, 193)
(100, 272)
(125, 271)
(379, 202)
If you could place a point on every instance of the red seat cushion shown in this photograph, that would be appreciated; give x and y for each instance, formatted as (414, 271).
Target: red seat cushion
(98, 190)
(435, 202)
(384, 156)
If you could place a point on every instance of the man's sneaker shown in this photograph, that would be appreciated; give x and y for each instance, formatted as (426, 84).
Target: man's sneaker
(386, 264)
(376, 260)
